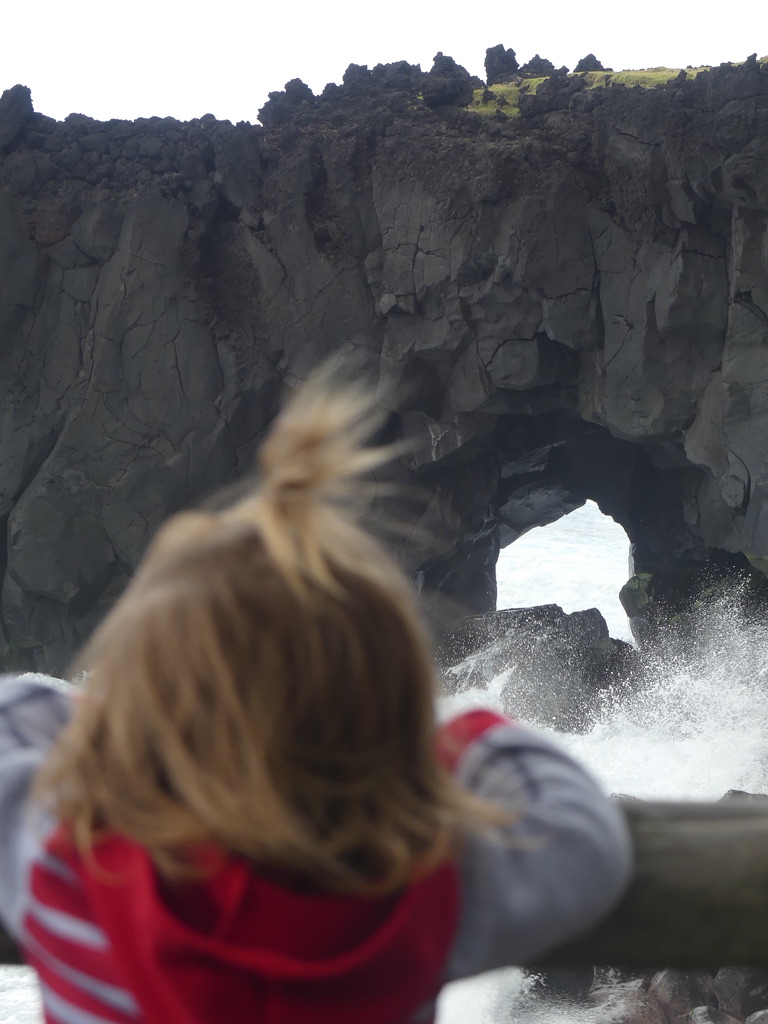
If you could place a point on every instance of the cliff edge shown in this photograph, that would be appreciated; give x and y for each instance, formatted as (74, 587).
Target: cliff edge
(571, 303)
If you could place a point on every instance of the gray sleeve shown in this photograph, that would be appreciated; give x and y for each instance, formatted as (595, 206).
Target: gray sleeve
(32, 711)
(557, 869)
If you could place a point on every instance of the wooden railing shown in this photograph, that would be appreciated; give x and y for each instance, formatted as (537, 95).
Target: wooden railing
(699, 896)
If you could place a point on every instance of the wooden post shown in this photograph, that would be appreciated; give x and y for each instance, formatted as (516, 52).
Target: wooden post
(699, 897)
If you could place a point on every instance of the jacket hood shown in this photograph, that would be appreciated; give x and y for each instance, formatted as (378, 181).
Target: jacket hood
(242, 947)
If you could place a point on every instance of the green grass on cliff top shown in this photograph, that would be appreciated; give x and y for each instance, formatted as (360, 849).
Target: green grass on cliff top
(508, 95)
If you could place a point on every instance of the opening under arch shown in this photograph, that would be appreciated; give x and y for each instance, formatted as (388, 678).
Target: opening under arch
(580, 561)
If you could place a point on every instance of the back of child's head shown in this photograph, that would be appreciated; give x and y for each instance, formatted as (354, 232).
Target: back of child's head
(265, 683)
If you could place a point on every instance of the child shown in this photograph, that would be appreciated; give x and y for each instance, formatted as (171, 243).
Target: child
(249, 814)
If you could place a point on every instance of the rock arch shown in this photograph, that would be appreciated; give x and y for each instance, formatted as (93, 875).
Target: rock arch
(570, 304)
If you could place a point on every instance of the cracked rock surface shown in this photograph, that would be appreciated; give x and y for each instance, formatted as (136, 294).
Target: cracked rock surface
(570, 304)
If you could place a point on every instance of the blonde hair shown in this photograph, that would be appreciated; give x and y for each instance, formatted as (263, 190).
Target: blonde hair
(265, 684)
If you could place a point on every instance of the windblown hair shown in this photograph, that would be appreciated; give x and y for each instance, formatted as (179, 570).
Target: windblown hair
(265, 684)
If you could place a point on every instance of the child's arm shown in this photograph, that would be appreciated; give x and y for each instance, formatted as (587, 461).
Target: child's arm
(31, 715)
(557, 869)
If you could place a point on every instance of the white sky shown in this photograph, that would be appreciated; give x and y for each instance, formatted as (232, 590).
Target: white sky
(142, 58)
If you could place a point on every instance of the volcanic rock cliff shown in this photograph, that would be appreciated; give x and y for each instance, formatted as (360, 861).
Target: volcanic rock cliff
(568, 304)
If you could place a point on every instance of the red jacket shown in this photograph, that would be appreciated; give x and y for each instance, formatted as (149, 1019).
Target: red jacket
(238, 947)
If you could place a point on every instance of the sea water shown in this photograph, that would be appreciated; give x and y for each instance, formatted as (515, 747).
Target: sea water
(696, 729)
(581, 561)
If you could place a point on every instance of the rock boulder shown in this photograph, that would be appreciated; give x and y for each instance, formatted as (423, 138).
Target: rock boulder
(544, 665)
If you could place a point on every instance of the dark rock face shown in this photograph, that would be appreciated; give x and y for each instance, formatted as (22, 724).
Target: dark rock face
(740, 794)
(572, 304)
(550, 667)
(741, 991)
(678, 992)
(447, 84)
(282, 107)
(684, 997)
(628, 1003)
(15, 110)
(538, 67)
(709, 1015)
(500, 64)
(589, 63)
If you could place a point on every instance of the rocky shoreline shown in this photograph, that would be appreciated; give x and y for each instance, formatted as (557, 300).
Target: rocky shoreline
(730, 995)
(554, 665)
